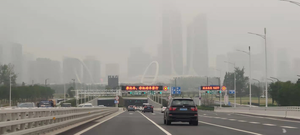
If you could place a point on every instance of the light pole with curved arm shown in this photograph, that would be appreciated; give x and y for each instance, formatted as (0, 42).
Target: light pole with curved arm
(234, 80)
(266, 75)
(250, 93)
(275, 79)
(294, 2)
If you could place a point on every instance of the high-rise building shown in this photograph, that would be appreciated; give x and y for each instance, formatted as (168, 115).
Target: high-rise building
(94, 73)
(283, 65)
(296, 66)
(112, 69)
(17, 60)
(72, 69)
(166, 64)
(1, 54)
(172, 57)
(197, 47)
(44, 68)
(137, 61)
(28, 58)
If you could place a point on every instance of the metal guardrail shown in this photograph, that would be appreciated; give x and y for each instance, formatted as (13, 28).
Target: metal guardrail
(42, 120)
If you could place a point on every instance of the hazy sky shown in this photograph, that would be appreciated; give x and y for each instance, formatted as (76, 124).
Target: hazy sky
(108, 28)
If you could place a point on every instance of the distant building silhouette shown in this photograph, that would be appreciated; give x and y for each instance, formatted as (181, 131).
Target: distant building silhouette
(94, 68)
(138, 60)
(172, 57)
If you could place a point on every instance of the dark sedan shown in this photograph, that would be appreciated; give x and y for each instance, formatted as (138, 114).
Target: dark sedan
(181, 110)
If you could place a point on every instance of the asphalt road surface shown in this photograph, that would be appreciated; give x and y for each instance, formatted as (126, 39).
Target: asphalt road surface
(210, 123)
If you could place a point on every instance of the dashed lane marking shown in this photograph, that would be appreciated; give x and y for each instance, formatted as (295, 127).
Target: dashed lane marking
(232, 119)
(242, 121)
(288, 127)
(240, 130)
(269, 124)
(254, 122)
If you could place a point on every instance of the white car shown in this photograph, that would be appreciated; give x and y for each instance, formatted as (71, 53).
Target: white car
(163, 109)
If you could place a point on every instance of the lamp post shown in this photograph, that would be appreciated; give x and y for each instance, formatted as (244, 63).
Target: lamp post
(250, 93)
(46, 81)
(293, 2)
(76, 92)
(275, 79)
(266, 70)
(234, 82)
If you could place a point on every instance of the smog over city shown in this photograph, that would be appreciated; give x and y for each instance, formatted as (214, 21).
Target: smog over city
(61, 39)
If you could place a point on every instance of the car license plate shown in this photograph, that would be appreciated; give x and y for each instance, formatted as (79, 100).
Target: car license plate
(183, 109)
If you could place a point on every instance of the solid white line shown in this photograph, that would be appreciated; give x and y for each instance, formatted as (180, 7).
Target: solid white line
(89, 128)
(254, 122)
(165, 131)
(288, 127)
(269, 124)
(269, 118)
(240, 130)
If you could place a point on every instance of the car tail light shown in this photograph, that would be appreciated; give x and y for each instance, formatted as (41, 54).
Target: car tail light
(170, 114)
(151, 106)
(172, 108)
(145, 107)
(194, 109)
(196, 115)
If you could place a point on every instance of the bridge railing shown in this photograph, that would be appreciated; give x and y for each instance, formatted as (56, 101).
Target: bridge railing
(282, 112)
(42, 120)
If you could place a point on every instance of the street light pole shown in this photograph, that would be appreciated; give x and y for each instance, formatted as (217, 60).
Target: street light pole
(250, 93)
(294, 2)
(234, 82)
(46, 81)
(10, 89)
(266, 70)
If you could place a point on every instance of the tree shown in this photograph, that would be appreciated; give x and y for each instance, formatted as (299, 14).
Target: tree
(241, 82)
(5, 72)
(70, 92)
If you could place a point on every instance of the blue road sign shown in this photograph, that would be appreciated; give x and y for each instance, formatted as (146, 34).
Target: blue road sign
(178, 90)
(173, 91)
(231, 91)
(116, 101)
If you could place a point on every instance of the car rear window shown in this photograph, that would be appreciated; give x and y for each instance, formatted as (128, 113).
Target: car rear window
(189, 102)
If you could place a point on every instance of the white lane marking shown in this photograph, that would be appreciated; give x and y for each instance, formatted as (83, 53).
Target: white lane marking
(217, 117)
(283, 131)
(165, 131)
(249, 132)
(204, 114)
(130, 113)
(232, 119)
(224, 118)
(89, 128)
(242, 121)
(254, 122)
(269, 124)
(228, 114)
(216, 114)
(269, 118)
(288, 127)
(153, 113)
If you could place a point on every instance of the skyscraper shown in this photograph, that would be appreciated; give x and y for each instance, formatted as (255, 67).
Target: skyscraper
(47, 69)
(17, 60)
(172, 57)
(296, 66)
(283, 66)
(94, 72)
(197, 47)
(72, 69)
(137, 61)
(112, 69)
(1, 54)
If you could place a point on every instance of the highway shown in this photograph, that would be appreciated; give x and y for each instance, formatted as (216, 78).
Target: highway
(210, 123)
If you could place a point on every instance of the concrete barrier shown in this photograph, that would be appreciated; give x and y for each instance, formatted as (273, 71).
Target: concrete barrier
(292, 112)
